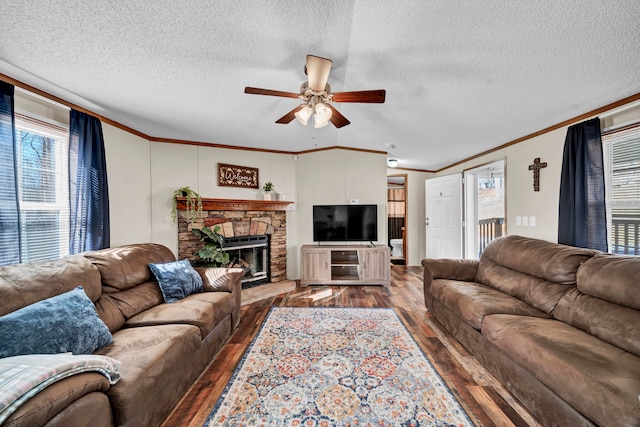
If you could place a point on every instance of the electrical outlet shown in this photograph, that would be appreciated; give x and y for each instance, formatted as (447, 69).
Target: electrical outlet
(532, 221)
(291, 207)
(518, 220)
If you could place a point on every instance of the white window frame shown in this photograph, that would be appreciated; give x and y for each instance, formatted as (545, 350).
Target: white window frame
(26, 122)
(610, 203)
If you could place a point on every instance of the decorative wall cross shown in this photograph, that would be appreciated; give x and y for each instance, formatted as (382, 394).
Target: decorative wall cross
(535, 167)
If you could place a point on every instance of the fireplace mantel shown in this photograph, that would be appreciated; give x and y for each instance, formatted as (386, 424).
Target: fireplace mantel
(237, 205)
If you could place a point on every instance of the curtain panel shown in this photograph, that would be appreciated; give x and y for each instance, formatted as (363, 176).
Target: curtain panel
(88, 189)
(582, 217)
(9, 211)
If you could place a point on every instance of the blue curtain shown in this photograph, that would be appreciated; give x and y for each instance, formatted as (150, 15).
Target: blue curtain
(582, 218)
(88, 190)
(9, 213)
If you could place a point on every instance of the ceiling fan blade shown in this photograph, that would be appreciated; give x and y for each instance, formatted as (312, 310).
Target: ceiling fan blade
(337, 119)
(258, 91)
(289, 116)
(366, 96)
(317, 70)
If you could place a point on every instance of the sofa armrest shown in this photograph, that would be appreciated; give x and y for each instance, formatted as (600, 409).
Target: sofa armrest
(452, 269)
(60, 400)
(444, 268)
(224, 280)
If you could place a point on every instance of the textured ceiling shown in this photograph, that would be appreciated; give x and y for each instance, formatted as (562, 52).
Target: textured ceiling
(461, 76)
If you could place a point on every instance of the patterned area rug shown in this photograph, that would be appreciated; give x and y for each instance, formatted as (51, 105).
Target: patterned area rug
(335, 367)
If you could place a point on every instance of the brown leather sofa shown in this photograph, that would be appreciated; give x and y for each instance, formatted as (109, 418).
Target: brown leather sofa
(559, 326)
(162, 347)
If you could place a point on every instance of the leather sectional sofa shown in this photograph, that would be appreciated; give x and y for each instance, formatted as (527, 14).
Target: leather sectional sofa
(162, 348)
(559, 326)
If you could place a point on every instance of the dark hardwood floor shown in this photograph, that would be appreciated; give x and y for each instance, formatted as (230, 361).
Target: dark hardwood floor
(484, 399)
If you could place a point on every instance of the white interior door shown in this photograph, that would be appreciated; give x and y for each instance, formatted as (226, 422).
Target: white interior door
(443, 198)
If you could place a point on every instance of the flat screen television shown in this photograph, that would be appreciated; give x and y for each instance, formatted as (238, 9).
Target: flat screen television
(345, 223)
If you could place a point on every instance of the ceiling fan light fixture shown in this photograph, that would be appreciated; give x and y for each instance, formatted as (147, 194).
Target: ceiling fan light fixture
(304, 114)
(318, 125)
(322, 115)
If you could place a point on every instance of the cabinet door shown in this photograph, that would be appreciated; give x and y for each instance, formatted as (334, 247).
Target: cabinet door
(315, 265)
(375, 264)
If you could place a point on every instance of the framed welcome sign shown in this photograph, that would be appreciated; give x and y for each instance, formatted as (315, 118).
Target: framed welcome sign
(237, 176)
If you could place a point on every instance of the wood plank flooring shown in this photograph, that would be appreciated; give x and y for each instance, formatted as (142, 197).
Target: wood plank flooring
(484, 399)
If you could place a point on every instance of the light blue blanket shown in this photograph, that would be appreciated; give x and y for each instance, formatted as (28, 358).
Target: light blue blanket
(22, 377)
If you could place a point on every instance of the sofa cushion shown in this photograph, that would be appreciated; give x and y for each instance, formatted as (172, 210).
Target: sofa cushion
(535, 291)
(532, 270)
(17, 281)
(109, 312)
(200, 312)
(599, 380)
(473, 301)
(177, 279)
(538, 258)
(612, 278)
(220, 279)
(613, 323)
(127, 266)
(64, 323)
(149, 356)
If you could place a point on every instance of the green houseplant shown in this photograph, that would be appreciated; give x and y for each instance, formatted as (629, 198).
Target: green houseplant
(267, 188)
(193, 201)
(211, 253)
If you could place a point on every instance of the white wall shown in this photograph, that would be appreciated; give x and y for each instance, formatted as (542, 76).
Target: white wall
(143, 176)
(179, 165)
(336, 177)
(129, 180)
(521, 199)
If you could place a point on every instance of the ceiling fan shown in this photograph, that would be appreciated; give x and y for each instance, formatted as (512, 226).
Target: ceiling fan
(317, 96)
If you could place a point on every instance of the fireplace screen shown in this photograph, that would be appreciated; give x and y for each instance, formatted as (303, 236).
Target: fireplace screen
(251, 253)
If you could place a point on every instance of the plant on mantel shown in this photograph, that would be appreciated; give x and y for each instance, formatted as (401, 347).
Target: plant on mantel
(211, 254)
(267, 188)
(193, 203)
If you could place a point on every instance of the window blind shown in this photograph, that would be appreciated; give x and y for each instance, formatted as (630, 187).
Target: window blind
(621, 149)
(43, 188)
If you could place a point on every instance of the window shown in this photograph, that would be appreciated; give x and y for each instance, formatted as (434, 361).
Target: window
(621, 149)
(484, 189)
(43, 188)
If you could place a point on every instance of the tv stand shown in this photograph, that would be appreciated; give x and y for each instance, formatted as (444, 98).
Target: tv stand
(344, 265)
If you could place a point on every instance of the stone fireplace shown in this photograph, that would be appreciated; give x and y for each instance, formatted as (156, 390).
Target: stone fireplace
(245, 224)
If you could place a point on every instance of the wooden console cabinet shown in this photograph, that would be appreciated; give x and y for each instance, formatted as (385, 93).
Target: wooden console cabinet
(344, 265)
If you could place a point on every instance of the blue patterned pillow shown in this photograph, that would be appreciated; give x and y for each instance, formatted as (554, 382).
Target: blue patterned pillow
(64, 323)
(177, 279)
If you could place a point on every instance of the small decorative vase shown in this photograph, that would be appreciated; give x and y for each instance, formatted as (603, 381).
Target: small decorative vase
(281, 197)
(266, 195)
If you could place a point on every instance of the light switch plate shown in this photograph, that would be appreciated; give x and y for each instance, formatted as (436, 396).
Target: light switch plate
(532, 221)
(525, 221)
(291, 207)
(518, 220)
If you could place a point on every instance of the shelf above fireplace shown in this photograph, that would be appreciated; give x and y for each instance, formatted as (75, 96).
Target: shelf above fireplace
(238, 205)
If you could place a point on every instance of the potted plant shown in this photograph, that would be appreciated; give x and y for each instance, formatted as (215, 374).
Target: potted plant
(193, 202)
(211, 254)
(267, 188)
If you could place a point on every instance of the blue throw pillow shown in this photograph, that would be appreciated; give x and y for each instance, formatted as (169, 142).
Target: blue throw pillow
(64, 323)
(177, 279)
